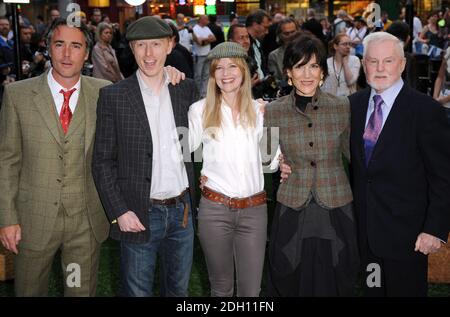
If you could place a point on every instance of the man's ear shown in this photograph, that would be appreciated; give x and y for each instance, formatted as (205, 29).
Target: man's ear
(170, 46)
(131, 46)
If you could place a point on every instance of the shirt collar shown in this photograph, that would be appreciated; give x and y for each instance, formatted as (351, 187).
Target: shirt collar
(389, 94)
(143, 86)
(56, 87)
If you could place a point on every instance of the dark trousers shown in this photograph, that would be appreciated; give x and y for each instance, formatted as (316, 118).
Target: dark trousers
(399, 278)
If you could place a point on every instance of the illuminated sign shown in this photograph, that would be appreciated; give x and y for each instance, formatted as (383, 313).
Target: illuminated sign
(211, 9)
(199, 9)
(135, 2)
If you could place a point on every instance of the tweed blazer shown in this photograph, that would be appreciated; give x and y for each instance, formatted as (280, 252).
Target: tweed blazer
(313, 143)
(30, 153)
(123, 150)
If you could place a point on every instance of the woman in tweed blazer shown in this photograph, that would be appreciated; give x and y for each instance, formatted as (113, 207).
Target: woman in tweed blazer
(313, 250)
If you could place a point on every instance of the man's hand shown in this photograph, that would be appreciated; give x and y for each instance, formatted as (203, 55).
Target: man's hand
(255, 80)
(174, 75)
(426, 243)
(10, 237)
(284, 168)
(129, 222)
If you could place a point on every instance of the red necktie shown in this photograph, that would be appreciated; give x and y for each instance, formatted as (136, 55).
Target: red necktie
(66, 115)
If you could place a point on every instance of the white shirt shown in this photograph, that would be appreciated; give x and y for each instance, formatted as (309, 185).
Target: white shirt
(232, 162)
(185, 39)
(357, 35)
(388, 96)
(258, 58)
(201, 32)
(58, 97)
(169, 177)
(417, 27)
(335, 84)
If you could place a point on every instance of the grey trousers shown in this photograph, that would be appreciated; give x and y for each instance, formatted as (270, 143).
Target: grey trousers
(233, 238)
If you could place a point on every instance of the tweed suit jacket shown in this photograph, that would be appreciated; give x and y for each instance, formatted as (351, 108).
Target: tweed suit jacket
(313, 143)
(30, 153)
(123, 150)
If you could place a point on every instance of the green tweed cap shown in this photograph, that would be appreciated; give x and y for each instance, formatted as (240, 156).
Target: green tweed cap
(148, 28)
(227, 50)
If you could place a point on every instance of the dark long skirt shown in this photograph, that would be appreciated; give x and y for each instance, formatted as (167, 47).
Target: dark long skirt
(313, 252)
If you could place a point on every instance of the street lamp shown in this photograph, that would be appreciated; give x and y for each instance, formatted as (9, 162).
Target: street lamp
(135, 2)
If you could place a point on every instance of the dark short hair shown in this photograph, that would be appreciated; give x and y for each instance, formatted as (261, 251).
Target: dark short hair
(303, 49)
(232, 28)
(174, 31)
(286, 21)
(212, 18)
(399, 29)
(256, 16)
(60, 22)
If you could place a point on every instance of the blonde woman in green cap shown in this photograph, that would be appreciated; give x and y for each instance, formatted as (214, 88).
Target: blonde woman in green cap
(232, 217)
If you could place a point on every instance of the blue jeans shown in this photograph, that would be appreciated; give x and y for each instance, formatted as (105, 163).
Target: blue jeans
(172, 242)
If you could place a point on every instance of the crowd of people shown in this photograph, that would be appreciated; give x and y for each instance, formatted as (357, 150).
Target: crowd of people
(91, 153)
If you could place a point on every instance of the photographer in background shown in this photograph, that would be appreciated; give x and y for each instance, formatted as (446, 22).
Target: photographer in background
(266, 88)
(34, 61)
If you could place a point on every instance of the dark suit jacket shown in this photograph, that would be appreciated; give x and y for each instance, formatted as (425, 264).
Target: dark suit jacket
(251, 53)
(181, 59)
(123, 149)
(405, 190)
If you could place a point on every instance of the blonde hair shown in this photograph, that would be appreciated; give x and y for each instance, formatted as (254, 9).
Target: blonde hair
(212, 117)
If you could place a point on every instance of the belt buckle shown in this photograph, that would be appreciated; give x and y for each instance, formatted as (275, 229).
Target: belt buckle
(227, 201)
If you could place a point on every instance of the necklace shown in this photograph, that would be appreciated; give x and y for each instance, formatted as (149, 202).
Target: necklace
(337, 75)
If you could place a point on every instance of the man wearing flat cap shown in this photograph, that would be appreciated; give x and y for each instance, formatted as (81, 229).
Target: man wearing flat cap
(144, 184)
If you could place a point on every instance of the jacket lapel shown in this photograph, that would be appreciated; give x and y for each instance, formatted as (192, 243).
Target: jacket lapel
(360, 113)
(46, 106)
(89, 97)
(137, 103)
(175, 99)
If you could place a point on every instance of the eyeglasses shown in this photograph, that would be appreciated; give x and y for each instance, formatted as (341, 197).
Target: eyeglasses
(289, 33)
(346, 43)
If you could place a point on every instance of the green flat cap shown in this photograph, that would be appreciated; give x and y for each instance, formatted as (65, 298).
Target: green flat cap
(148, 28)
(227, 50)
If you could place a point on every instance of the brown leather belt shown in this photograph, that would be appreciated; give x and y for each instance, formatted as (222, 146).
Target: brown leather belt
(173, 201)
(170, 201)
(234, 203)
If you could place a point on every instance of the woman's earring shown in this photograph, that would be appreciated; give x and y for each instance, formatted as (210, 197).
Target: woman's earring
(290, 81)
(321, 82)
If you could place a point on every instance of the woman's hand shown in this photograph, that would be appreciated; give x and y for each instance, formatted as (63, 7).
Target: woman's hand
(284, 168)
(202, 179)
(262, 104)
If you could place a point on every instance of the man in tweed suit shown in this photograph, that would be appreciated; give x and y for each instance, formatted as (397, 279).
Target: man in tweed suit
(138, 169)
(48, 200)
